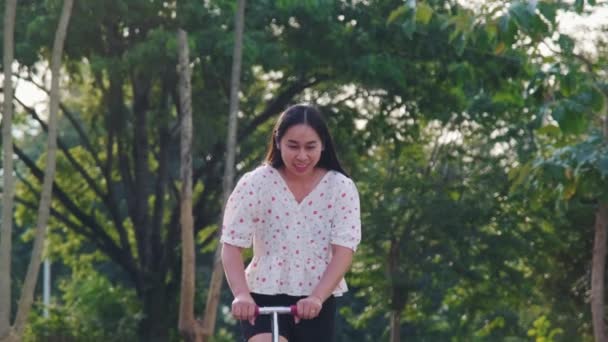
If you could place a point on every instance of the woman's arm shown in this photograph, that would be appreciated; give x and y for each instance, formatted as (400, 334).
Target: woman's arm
(340, 262)
(232, 259)
(310, 306)
(243, 305)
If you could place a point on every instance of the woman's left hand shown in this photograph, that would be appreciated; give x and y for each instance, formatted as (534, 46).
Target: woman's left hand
(308, 308)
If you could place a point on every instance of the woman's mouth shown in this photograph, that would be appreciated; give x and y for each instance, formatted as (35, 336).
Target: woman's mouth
(300, 168)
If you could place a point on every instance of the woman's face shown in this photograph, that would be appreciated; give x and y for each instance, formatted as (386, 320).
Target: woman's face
(300, 149)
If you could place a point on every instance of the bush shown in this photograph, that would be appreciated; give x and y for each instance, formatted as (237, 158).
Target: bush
(91, 309)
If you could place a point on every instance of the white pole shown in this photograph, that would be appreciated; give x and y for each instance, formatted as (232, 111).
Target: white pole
(46, 291)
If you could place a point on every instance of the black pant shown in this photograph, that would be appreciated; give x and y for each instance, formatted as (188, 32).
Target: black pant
(318, 329)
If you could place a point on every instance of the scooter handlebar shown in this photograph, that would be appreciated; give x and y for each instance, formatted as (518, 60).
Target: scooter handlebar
(268, 310)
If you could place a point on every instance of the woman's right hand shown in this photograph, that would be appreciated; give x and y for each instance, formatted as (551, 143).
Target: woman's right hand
(243, 307)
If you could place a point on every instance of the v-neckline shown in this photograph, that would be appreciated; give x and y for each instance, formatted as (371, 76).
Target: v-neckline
(293, 197)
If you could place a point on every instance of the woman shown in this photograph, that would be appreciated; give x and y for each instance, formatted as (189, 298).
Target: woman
(300, 211)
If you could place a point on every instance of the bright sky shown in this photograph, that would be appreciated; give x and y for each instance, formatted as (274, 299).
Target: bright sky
(31, 95)
(585, 27)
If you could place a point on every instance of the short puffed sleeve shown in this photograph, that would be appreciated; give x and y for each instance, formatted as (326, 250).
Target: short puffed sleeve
(240, 213)
(346, 224)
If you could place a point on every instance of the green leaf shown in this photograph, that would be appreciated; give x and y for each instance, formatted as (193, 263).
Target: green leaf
(549, 130)
(583, 156)
(527, 20)
(568, 84)
(409, 27)
(579, 5)
(548, 10)
(565, 43)
(558, 113)
(539, 27)
(519, 11)
(508, 29)
(492, 31)
(454, 195)
(554, 171)
(507, 98)
(424, 13)
(453, 36)
(602, 165)
(397, 13)
(597, 99)
(571, 116)
(519, 175)
(461, 72)
(463, 22)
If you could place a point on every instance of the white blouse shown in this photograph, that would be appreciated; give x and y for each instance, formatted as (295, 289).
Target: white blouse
(291, 240)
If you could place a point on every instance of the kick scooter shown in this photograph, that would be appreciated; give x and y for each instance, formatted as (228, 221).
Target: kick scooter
(275, 311)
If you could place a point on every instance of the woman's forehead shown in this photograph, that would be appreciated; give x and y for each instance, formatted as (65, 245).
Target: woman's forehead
(301, 133)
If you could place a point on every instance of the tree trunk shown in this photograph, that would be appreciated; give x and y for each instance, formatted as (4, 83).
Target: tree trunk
(11, 337)
(398, 292)
(598, 265)
(395, 326)
(189, 328)
(217, 277)
(27, 294)
(155, 299)
(8, 190)
(597, 273)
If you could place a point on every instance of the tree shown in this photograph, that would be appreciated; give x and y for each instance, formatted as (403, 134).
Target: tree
(599, 247)
(117, 191)
(189, 327)
(122, 170)
(217, 275)
(27, 293)
(570, 168)
(8, 188)
(484, 100)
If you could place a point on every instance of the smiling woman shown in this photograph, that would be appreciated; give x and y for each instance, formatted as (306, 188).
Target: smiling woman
(301, 150)
(297, 121)
(300, 212)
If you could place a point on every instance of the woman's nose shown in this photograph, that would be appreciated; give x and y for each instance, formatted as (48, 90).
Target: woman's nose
(301, 153)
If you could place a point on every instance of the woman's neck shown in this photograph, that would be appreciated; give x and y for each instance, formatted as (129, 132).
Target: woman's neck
(295, 178)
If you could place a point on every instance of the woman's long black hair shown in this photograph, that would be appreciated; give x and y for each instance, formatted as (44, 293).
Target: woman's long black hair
(311, 116)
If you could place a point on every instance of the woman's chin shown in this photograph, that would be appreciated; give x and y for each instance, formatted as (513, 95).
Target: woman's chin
(300, 170)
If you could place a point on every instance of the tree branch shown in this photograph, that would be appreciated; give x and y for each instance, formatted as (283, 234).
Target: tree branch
(141, 88)
(81, 133)
(105, 197)
(121, 255)
(279, 103)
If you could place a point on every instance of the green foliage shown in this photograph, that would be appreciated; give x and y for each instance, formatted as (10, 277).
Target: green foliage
(90, 309)
(475, 154)
(542, 331)
(574, 171)
(528, 21)
(446, 240)
(306, 4)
